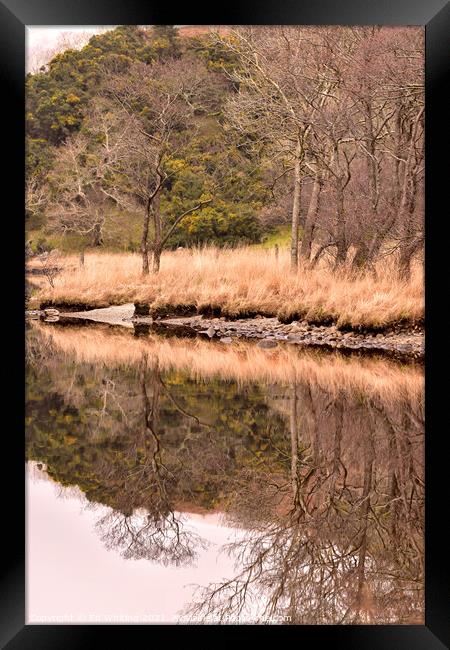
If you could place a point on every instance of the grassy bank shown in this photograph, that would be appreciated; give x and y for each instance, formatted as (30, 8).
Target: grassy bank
(239, 283)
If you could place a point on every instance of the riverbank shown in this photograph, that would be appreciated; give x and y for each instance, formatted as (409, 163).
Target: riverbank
(403, 343)
(239, 284)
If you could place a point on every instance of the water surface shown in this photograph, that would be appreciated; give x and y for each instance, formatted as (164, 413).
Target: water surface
(183, 480)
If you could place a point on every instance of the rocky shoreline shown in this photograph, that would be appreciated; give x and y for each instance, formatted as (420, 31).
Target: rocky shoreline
(268, 332)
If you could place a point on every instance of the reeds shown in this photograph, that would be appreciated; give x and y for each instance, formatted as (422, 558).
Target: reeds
(242, 282)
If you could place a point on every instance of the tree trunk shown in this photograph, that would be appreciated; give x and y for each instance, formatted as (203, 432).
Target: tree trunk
(363, 251)
(362, 590)
(97, 238)
(318, 254)
(296, 206)
(361, 258)
(157, 245)
(341, 239)
(311, 218)
(144, 240)
(156, 259)
(380, 235)
(406, 255)
(294, 446)
(404, 265)
(392, 484)
(339, 415)
(410, 241)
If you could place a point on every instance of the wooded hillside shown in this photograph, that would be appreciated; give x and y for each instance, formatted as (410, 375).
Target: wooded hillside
(153, 137)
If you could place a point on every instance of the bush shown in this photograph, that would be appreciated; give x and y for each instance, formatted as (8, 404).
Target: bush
(132, 246)
(42, 245)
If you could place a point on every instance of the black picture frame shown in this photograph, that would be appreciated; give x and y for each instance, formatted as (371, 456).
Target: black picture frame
(435, 16)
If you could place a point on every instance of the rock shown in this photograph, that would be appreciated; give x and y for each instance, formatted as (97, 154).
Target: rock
(211, 332)
(266, 344)
(226, 339)
(141, 309)
(32, 313)
(404, 347)
(51, 312)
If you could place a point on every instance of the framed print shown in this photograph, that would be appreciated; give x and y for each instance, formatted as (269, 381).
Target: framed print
(232, 242)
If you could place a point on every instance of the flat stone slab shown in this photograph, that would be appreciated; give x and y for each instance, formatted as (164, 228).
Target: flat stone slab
(115, 315)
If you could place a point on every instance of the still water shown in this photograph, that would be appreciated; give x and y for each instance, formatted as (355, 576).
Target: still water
(176, 480)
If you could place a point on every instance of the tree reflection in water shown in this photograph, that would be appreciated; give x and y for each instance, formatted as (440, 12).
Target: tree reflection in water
(344, 542)
(158, 533)
(324, 482)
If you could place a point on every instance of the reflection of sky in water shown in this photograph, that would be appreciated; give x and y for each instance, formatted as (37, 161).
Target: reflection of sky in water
(72, 577)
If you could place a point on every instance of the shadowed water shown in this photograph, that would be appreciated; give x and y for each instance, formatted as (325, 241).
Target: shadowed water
(193, 482)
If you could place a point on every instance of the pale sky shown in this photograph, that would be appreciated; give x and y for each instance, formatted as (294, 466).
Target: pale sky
(40, 40)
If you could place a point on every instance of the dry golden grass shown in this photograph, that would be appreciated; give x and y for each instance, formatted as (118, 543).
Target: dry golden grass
(241, 362)
(240, 282)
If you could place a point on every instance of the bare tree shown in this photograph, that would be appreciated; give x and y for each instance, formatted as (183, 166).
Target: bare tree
(77, 201)
(339, 107)
(384, 77)
(152, 105)
(279, 94)
(35, 195)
